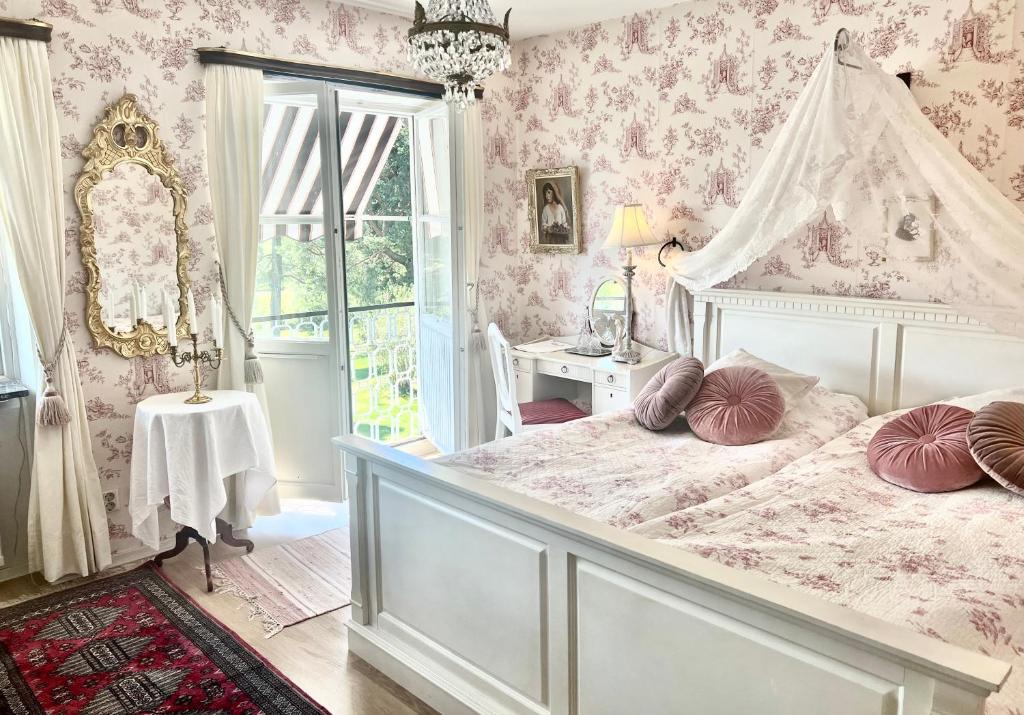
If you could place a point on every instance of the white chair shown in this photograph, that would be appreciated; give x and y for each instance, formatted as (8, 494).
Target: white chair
(513, 416)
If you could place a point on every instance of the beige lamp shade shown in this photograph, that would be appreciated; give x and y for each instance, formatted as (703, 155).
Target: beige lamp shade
(629, 228)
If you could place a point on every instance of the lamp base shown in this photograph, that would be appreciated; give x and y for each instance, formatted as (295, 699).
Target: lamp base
(630, 356)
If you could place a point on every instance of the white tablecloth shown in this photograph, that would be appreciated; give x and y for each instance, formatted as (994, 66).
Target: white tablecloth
(187, 451)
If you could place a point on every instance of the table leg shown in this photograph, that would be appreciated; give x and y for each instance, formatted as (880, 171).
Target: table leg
(181, 539)
(226, 534)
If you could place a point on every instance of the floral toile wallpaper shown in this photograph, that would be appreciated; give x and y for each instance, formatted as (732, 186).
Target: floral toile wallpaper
(676, 108)
(673, 108)
(104, 48)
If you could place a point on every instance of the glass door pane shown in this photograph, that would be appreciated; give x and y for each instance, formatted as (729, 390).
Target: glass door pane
(375, 160)
(435, 273)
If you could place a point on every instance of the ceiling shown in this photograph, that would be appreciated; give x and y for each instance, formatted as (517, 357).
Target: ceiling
(537, 17)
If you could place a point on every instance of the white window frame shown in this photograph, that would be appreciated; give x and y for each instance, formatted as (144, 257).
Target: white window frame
(8, 330)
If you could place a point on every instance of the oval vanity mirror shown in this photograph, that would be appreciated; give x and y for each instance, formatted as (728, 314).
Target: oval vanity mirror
(607, 304)
(133, 234)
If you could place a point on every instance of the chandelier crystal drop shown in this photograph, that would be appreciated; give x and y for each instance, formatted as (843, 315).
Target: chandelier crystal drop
(460, 44)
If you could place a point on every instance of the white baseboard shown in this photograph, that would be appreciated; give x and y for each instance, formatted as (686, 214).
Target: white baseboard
(303, 490)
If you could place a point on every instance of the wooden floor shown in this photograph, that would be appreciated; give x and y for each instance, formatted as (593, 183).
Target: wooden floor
(313, 654)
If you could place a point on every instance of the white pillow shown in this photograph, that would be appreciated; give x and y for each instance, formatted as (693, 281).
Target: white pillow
(793, 385)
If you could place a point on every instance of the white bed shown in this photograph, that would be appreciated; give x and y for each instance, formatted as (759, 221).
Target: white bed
(611, 469)
(479, 599)
(947, 565)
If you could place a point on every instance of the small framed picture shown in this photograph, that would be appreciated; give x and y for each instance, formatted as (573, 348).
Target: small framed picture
(910, 228)
(555, 210)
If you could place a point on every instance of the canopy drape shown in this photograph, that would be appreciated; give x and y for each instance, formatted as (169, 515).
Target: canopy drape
(67, 523)
(857, 147)
(234, 140)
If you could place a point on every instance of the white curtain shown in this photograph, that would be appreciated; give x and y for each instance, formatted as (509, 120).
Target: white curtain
(857, 154)
(481, 396)
(234, 139)
(67, 524)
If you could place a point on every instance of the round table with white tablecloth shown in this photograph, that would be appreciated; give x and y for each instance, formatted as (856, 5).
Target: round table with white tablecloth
(185, 452)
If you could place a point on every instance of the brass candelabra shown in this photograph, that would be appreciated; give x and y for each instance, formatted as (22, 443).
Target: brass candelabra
(182, 358)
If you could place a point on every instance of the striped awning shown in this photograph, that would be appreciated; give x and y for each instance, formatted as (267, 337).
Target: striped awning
(292, 184)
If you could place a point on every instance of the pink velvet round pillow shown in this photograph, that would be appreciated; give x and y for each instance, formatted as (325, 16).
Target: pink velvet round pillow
(925, 450)
(996, 440)
(668, 393)
(736, 405)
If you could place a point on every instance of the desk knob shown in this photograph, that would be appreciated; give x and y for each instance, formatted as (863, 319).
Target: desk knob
(611, 379)
(515, 361)
(565, 370)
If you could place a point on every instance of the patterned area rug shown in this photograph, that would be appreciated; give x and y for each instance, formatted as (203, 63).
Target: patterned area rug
(290, 583)
(132, 643)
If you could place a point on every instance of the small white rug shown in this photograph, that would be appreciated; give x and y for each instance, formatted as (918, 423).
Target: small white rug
(293, 582)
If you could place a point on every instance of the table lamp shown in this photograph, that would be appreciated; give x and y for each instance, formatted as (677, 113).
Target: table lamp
(629, 229)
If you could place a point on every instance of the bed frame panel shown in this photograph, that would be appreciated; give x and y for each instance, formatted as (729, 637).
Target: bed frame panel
(891, 354)
(482, 600)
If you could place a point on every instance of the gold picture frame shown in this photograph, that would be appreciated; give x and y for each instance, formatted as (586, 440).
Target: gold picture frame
(555, 210)
(127, 134)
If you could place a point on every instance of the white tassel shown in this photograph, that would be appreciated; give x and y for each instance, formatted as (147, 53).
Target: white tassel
(53, 412)
(253, 368)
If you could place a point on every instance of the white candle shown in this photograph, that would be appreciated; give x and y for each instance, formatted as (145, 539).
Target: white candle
(133, 304)
(193, 325)
(170, 320)
(218, 322)
(143, 307)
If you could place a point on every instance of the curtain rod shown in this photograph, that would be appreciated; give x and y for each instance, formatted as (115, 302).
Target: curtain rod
(316, 70)
(25, 29)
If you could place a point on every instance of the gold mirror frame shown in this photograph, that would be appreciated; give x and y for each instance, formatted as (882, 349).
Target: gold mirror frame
(103, 154)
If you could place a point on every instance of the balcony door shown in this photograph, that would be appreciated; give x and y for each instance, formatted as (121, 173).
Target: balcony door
(439, 309)
(297, 303)
(357, 277)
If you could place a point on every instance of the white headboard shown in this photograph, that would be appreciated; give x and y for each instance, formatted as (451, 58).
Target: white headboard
(891, 354)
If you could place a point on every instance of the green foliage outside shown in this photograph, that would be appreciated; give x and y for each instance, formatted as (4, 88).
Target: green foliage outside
(292, 278)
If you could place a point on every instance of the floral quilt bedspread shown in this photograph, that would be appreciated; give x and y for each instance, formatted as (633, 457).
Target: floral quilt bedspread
(611, 469)
(950, 566)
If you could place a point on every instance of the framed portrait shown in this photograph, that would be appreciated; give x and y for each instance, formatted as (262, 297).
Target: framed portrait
(555, 210)
(910, 228)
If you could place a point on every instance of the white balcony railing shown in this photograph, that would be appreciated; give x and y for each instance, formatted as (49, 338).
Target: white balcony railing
(383, 364)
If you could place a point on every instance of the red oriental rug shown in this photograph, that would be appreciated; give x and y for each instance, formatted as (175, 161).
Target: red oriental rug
(132, 643)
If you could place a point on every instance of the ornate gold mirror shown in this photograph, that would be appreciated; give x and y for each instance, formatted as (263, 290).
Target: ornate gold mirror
(133, 234)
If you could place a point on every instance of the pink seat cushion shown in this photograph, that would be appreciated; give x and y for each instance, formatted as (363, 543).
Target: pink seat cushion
(996, 440)
(549, 412)
(925, 450)
(736, 405)
(668, 393)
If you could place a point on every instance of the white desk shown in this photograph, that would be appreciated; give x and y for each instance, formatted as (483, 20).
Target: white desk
(608, 385)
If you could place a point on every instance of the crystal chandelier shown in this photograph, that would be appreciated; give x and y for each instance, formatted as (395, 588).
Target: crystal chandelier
(459, 43)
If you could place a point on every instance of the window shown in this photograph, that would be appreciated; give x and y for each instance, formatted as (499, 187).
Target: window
(8, 331)
(291, 265)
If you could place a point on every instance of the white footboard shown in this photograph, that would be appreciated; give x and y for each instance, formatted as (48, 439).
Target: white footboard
(480, 600)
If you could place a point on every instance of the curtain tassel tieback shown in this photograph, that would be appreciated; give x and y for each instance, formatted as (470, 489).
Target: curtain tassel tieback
(253, 368)
(53, 412)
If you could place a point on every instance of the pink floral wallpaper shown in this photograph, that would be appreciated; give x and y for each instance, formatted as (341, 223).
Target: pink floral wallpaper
(657, 107)
(677, 108)
(104, 48)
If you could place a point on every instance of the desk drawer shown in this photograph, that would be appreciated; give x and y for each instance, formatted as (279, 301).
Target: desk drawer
(561, 369)
(608, 399)
(521, 364)
(614, 380)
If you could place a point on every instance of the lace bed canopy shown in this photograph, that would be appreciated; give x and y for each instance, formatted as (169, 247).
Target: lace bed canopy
(856, 144)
